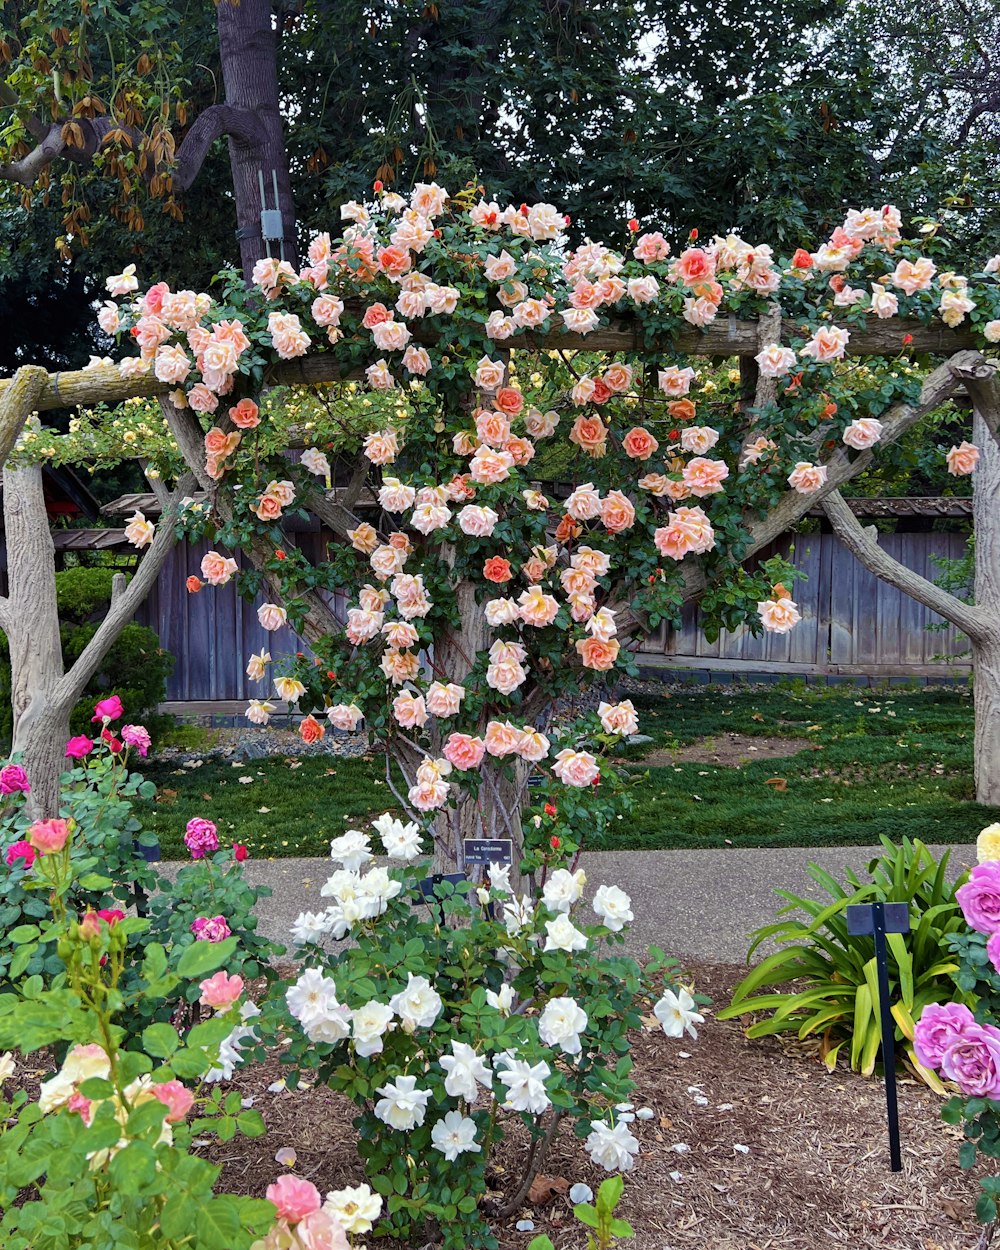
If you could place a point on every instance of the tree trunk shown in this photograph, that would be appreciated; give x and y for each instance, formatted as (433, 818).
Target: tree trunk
(41, 710)
(248, 50)
(986, 651)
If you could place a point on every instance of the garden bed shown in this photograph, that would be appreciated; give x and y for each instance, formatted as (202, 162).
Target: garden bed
(814, 1172)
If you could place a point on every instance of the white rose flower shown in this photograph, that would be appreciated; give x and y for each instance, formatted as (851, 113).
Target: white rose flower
(312, 1000)
(352, 849)
(378, 887)
(455, 1134)
(400, 841)
(310, 927)
(419, 1005)
(563, 935)
(563, 888)
(525, 1084)
(518, 915)
(402, 1106)
(354, 1208)
(614, 907)
(368, 1026)
(499, 877)
(465, 1072)
(676, 1013)
(230, 1055)
(502, 1001)
(612, 1148)
(7, 1067)
(561, 1023)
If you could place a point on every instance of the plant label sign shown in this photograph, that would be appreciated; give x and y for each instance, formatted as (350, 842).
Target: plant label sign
(488, 850)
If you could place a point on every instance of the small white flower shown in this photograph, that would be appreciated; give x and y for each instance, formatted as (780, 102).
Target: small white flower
(7, 1067)
(310, 926)
(352, 849)
(419, 1005)
(676, 1013)
(563, 935)
(525, 1083)
(455, 1134)
(613, 1149)
(499, 878)
(400, 841)
(561, 1024)
(502, 1001)
(563, 888)
(402, 1106)
(368, 1026)
(614, 907)
(466, 1071)
(355, 1208)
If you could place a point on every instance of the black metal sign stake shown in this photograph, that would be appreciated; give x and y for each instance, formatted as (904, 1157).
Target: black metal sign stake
(878, 919)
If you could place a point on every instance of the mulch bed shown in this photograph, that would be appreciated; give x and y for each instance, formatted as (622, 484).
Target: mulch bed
(815, 1173)
(729, 749)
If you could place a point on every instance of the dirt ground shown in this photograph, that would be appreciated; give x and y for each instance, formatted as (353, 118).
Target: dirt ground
(731, 749)
(753, 1146)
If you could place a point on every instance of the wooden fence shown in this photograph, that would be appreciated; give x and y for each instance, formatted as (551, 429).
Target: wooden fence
(851, 624)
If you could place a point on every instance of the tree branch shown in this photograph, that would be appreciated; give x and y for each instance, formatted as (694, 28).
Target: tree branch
(11, 99)
(863, 544)
(217, 121)
(18, 400)
(982, 381)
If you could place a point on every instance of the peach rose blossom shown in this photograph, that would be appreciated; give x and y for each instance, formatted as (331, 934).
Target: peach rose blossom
(530, 313)
(954, 306)
(409, 710)
(778, 616)
(217, 569)
(585, 295)
(465, 443)
(327, 310)
(391, 336)
(375, 314)
(537, 608)
(428, 517)
(394, 496)
(699, 312)
(962, 459)
(497, 569)
(577, 581)
(500, 268)
(590, 434)
(362, 626)
(268, 508)
(705, 477)
(489, 373)
(386, 561)
(863, 433)
(758, 448)
(287, 336)
(441, 299)
(674, 381)
(509, 401)
(499, 327)
(139, 531)
(591, 560)
(417, 360)
(598, 653)
(149, 332)
(400, 634)
(884, 303)
(807, 477)
(486, 215)
(828, 343)
(410, 595)
(651, 247)
(775, 361)
(373, 600)
(198, 339)
(655, 483)
(201, 399)
(310, 730)
(381, 447)
(400, 666)
(217, 443)
(688, 530)
(283, 491)
(505, 676)
(193, 584)
(172, 364)
(463, 751)
(493, 428)
(581, 606)
(617, 512)
(428, 796)
(639, 444)
(270, 615)
(532, 745)
(380, 377)
(643, 290)
(444, 698)
(699, 438)
(428, 199)
(912, 276)
(603, 625)
(502, 738)
(363, 539)
(477, 522)
(611, 290)
(692, 266)
(245, 415)
(576, 768)
(409, 305)
(501, 612)
(584, 504)
(487, 467)
(345, 715)
(541, 424)
(619, 718)
(618, 378)
(394, 261)
(580, 320)
(991, 331)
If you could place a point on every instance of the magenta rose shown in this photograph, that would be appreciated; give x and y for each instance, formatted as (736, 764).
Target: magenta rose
(210, 929)
(79, 747)
(979, 898)
(12, 779)
(137, 736)
(939, 1025)
(20, 850)
(972, 1061)
(201, 838)
(108, 709)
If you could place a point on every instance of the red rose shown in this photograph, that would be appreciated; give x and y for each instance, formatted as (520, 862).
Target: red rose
(240, 852)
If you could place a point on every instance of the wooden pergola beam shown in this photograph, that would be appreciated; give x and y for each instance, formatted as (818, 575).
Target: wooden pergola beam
(725, 337)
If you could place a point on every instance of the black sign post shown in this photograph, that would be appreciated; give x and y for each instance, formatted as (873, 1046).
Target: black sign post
(878, 919)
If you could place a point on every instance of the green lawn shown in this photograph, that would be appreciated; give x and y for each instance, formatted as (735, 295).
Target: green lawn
(891, 762)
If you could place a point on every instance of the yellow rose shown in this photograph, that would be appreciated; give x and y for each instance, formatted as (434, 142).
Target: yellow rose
(988, 844)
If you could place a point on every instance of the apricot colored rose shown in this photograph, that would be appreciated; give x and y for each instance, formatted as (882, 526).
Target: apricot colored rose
(497, 569)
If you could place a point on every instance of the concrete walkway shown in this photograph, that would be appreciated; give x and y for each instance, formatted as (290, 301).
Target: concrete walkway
(696, 903)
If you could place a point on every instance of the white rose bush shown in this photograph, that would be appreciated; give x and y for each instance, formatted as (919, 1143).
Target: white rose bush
(451, 1021)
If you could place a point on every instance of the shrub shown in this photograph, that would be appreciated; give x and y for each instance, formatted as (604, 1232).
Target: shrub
(836, 991)
(449, 1025)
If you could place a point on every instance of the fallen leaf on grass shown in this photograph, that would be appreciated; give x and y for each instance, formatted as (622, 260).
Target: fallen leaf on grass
(545, 1188)
(779, 783)
(263, 810)
(207, 798)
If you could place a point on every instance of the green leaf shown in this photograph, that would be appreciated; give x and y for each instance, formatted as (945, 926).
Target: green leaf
(23, 933)
(586, 1214)
(160, 1040)
(201, 958)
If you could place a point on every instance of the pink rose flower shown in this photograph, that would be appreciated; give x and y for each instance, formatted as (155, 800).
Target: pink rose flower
(464, 752)
(409, 710)
(13, 778)
(79, 746)
(576, 768)
(108, 709)
(175, 1097)
(47, 836)
(979, 898)
(863, 433)
(320, 1231)
(201, 838)
(972, 1060)
(806, 478)
(217, 569)
(828, 343)
(618, 718)
(137, 736)
(220, 991)
(705, 477)
(20, 850)
(345, 716)
(210, 929)
(294, 1198)
(939, 1025)
(962, 459)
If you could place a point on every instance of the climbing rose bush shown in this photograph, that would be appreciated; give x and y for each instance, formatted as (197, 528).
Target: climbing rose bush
(456, 1020)
(522, 505)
